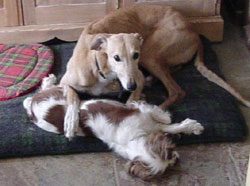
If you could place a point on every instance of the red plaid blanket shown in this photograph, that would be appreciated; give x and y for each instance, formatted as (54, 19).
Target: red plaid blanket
(22, 68)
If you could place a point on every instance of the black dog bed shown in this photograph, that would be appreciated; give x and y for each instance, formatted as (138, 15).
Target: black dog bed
(205, 102)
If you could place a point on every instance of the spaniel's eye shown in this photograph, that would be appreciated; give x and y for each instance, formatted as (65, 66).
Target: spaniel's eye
(117, 58)
(136, 55)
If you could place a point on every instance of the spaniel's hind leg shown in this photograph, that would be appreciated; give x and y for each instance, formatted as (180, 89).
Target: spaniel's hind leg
(158, 154)
(48, 82)
(188, 126)
(160, 116)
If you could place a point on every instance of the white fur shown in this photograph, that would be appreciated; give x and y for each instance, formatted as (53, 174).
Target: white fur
(27, 105)
(100, 87)
(188, 126)
(39, 111)
(129, 137)
(71, 121)
(48, 82)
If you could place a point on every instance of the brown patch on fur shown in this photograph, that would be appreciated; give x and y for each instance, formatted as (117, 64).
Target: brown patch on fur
(55, 116)
(55, 92)
(83, 118)
(114, 113)
(161, 145)
(138, 169)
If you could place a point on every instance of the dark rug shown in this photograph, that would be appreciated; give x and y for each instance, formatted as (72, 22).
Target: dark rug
(205, 102)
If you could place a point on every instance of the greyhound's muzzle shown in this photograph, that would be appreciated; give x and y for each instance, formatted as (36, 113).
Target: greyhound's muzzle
(131, 86)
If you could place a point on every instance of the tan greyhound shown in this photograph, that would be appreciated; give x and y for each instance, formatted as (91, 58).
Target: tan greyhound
(102, 54)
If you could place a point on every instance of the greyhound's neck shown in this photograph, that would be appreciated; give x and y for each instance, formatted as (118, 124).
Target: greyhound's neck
(99, 63)
(98, 67)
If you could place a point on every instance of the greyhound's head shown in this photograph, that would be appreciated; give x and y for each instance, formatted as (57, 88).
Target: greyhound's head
(123, 52)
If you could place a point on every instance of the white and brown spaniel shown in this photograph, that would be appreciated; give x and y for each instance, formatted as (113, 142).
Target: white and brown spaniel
(138, 132)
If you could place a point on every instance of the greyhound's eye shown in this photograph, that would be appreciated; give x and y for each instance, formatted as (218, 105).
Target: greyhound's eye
(117, 58)
(136, 55)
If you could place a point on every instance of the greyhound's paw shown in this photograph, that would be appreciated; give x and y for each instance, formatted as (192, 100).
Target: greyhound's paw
(192, 126)
(48, 81)
(71, 122)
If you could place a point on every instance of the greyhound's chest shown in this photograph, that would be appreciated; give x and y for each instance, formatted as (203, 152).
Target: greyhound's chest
(102, 86)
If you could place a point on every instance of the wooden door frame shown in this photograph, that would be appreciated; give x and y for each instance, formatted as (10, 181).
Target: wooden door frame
(10, 13)
(207, 7)
(210, 26)
(30, 11)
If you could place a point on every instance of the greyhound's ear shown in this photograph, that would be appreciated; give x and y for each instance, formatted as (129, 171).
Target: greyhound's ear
(139, 37)
(99, 42)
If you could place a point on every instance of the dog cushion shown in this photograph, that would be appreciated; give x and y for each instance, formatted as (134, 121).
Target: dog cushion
(22, 67)
(205, 102)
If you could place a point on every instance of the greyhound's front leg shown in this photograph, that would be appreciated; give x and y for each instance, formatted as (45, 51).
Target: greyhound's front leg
(140, 80)
(71, 118)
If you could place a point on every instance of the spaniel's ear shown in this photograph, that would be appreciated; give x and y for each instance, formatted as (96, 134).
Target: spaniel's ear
(100, 42)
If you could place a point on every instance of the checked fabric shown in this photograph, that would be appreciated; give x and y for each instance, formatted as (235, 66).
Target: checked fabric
(22, 68)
